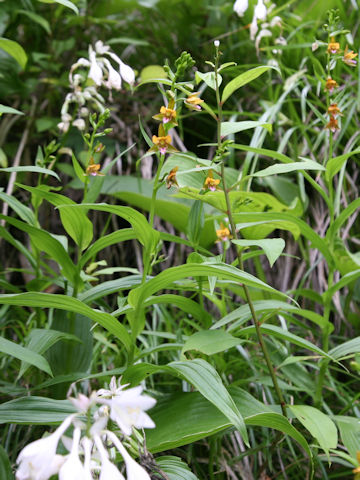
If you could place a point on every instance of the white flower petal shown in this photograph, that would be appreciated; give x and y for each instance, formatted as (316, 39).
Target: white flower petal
(100, 48)
(260, 11)
(95, 72)
(127, 73)
(114, 79)
(240, 7)
(109, 471)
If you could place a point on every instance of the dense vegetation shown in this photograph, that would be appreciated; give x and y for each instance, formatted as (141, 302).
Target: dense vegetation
(179, 217)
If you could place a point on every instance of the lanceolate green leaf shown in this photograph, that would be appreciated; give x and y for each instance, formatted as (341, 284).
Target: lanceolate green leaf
(6, 472)
(6, 109)
(24, 354)
(24, 212)
(334, 165)
(15, 50)
(305, 229)
(48, 244)
(206, 379)
(146, 235)
(345, 280)
(175, 468)
(288, 167)
(319, 425)
(276, 331)
(76, 223)
(70, 304)
(347, 348)
(166, 278)
(35, 410)
(66, 3)
(33, 169)
(228, 128)
(243, 79)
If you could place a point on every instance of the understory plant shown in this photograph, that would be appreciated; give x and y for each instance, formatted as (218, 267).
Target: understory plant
(226, 287)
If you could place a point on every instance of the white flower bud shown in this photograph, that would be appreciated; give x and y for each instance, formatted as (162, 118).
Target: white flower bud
(260, 11)
(240, 7)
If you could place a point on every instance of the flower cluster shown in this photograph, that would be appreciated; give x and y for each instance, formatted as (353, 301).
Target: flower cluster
(260, 17)
(348, 57)
(99, 69)
(89, 454)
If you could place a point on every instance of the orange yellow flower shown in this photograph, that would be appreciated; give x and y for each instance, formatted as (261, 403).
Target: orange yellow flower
(167, 114)
(333, 47)
(333, 124)
(223, 233)
(162, 143)
(93, 169)
(334, 110)
(193, 101)
(330, 85)
(171, 178)
(348, 57)
(211, 183)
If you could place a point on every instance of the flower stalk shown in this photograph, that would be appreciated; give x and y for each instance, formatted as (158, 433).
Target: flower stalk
(239, 254)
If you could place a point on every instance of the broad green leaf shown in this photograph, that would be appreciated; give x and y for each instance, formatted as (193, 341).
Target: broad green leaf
(111, 286)
(66, 3)
(273, 247)
(75, 222)
(5, 466)
(33, 169)
(208, 78)
(175, 468)
(152, 72)
(70, 304)
(288, 167)
(15, 50)
(35, 410)
(319, 425)
(228, 128)
(243, 79)
(347, 348)
(210, 342)
(24, 354)
(198, 419)
(279, 332)
(6, 109)
(334, 165)
(47, 243)
(67, 357)
(37, 19)
(206, 379)
(40, 340)
(24, 212)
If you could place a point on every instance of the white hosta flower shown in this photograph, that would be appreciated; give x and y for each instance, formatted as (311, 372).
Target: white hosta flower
(127, 73)
(253, 28)
(127, 409)
(73, 469)
(260, 11)
(38, 460)
(79, 123)
(263, 33)
(95, 72)
(100, 48)
(108, 469)
(240, 7)
(114, 79)
(134, 471)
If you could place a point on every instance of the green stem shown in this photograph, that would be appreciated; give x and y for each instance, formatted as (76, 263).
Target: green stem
(239, 255)
(155, 189)
(325, 344)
